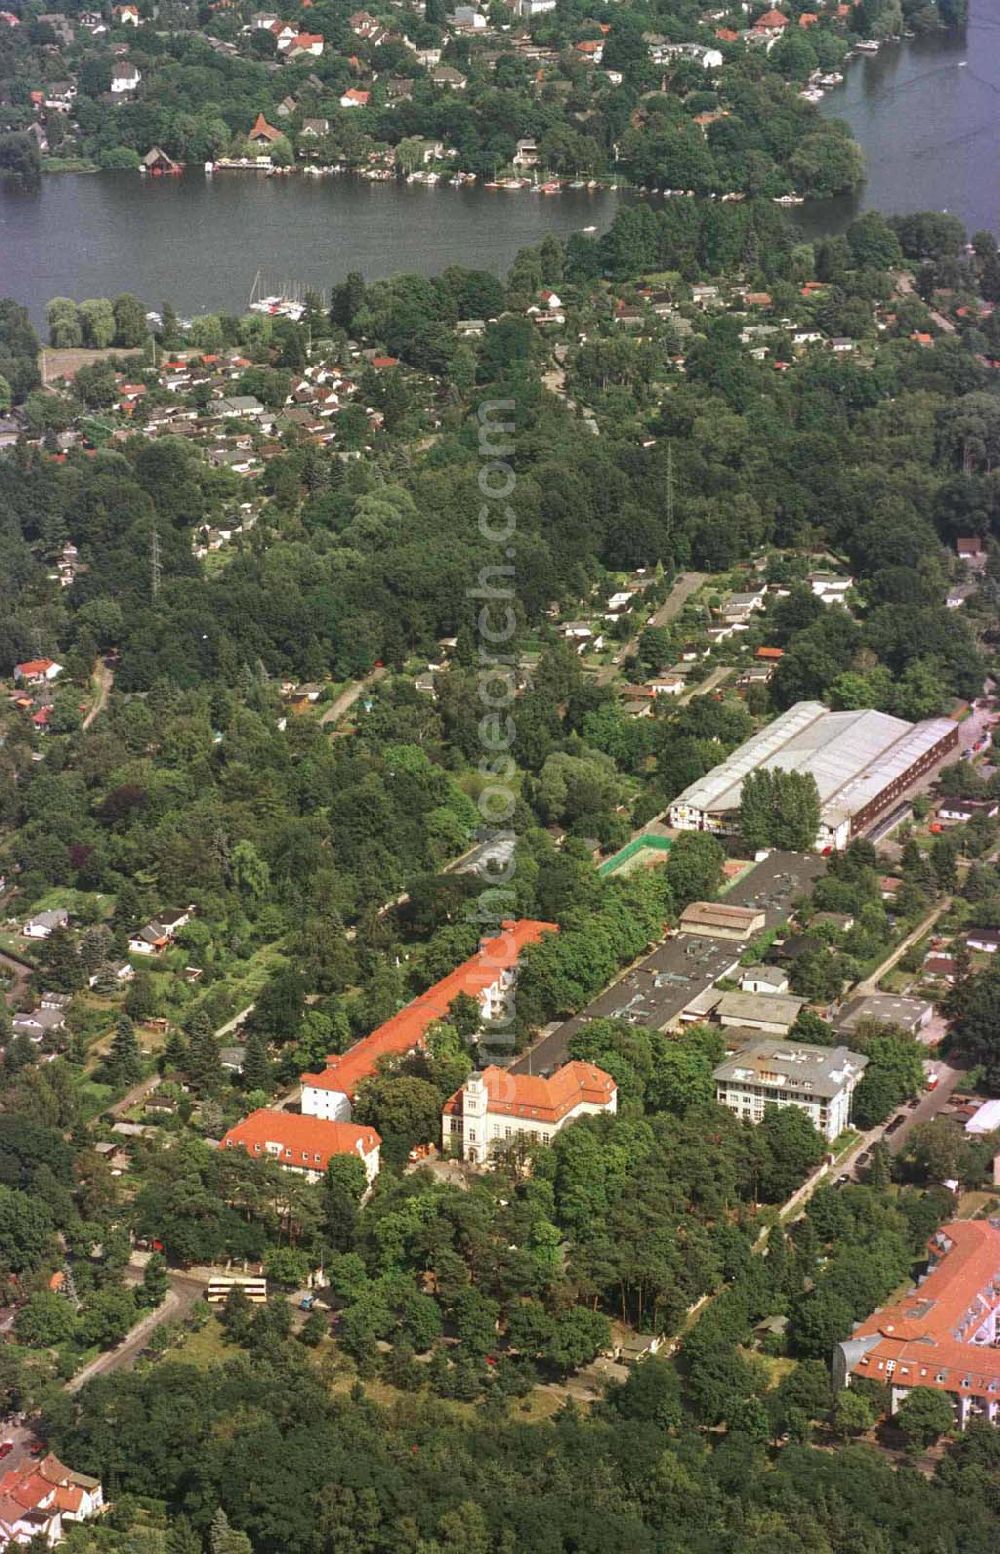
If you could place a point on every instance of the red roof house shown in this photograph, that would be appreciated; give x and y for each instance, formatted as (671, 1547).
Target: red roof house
(304, 1144)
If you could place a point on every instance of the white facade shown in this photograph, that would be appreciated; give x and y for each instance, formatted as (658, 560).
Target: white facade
(331, 1105)
(818, 1080)
(476, 1123)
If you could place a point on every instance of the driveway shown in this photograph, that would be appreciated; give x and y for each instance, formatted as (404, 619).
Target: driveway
(345, 701)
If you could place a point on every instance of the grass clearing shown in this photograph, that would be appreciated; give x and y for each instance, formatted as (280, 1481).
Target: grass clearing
(204, 1346)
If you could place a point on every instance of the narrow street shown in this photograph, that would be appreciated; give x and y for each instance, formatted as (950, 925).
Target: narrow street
(181, 1296)
(870, 984)
(686, 584)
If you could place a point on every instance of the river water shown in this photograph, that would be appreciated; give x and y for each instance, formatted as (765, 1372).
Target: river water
(926, 111)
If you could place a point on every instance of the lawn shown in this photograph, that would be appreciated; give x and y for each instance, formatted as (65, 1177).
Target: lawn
(204, 1346)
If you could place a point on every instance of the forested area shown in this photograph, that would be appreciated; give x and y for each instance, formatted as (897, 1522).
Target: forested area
(316, 859)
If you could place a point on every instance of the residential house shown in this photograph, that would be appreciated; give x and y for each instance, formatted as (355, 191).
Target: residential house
(125, 78)
(157, 934)
(967, 809)
(41, 1500)
(818, 1080)
(466, 18)
(447, 76)
(119, 971)
(39, 1023)
(496, 1108)
(529, 9)
(37, 671)
(972, 550)
(304, 1144)
(487, 976)
(829, 586)
(303, 45)
(985, 940)
(40, 926)
(314, 129)
(126, 15)
(764, 979)
(354, 97)
(262, 133)
(525, 154)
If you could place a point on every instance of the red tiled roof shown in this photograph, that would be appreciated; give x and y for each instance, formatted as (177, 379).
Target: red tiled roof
(541, 1100)
(308, 1143)
(727, 35)
(406, 1030)
(924, 1340)
(34, 666)
(769, 652)
(771, 20)
(262, 130)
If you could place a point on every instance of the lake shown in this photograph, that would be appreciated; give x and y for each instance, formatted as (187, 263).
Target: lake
(924, 110)
(199, 241)
(926, 113)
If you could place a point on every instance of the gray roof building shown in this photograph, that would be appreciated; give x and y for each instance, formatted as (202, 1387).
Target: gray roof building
(910, 1013)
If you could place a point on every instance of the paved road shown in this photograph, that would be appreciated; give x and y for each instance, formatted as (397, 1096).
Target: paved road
(870, 984)
(345, 701)
(904, 287)
(686, 584)
(719, 673)
(237, 1019)
(180, 1298)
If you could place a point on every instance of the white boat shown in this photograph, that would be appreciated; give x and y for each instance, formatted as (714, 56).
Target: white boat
(209, 168)
(867, 46)
(789, 199)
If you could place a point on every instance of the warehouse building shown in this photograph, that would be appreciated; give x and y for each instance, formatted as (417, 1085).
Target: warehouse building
(861, 761)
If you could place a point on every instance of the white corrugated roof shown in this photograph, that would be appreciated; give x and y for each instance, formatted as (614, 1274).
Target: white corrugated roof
(853, 756)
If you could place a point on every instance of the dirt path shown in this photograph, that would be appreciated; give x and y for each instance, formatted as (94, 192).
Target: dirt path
(345, 701)
(105, 680)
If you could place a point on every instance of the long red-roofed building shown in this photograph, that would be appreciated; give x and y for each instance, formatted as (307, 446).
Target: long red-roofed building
(487, 976)
(304, 1144)
(495, 1107)
(944, 1334)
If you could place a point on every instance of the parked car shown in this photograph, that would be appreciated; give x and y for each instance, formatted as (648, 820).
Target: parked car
(895, 1124)
(5, 1449)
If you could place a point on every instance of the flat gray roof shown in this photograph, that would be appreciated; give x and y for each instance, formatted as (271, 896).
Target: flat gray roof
(680, 969)
(908, 1012)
